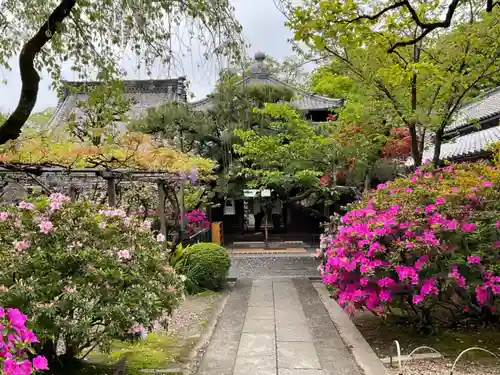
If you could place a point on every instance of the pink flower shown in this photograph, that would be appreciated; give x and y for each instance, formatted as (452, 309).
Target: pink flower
(417, 299)
(160, 237)
(146, 224)
(26, 206)
(497, 224)
(473, 259)
(385, 295)
(414, 179)
(46, 227)
(40, 363)
(440, 201)
(430, 208)
(487, 184)
(16, 318)
(69, 289)
(468, 227)
(124, 254)
(451, 224)
(454, 190)
(4, 216)
(21, 245)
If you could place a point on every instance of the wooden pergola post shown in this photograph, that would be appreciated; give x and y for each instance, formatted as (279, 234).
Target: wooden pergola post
(161, 210)
(111, 189)
(72, 193)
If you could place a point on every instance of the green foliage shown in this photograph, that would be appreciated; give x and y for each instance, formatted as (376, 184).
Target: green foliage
(288, 152)
(211, 132)
(419, 86)
(105, 105)
(206, 266)
(94, 37)
(86, 273)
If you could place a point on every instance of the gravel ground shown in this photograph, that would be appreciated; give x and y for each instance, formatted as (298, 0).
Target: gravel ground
(443, 367)
(191, 317)
(283, 265)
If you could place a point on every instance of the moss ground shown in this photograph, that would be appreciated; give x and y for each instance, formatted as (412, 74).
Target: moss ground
(381, 334)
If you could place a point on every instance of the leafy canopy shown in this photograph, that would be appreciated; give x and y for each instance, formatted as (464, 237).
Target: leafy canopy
(420, 86)
(134, 150)
(288, 152)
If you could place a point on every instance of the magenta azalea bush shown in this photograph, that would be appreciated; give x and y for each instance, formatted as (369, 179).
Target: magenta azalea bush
(430, 241)
(15, 345)
(196, 221)
(86, 274)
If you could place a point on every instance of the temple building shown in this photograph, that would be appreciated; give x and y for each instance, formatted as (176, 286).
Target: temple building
(144, 94)
(297, 224)
(476, 126)
(316, 107)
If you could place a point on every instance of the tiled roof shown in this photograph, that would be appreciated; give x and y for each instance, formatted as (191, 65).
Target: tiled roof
(144, 94)
(466, 145)
(304, 100)
(487, 105)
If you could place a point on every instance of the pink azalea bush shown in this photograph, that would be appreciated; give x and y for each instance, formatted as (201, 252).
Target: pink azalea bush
(196, 220)
(15, 344)
(427, 241)
(86, 274)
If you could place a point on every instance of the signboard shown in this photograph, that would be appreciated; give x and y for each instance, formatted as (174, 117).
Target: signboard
(252, 193)
(229, 207)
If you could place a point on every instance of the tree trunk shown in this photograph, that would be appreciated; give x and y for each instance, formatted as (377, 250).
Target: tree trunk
(437, 147)
(30, 78)
(417, 156)
(368, 180)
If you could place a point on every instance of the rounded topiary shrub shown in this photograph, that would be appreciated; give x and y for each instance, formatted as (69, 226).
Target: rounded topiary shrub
(206, 265)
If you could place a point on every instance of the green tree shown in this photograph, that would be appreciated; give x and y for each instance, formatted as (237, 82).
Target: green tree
(106, 106)
(419, 86)
(423, 17)
(210, 132)
(92, 36)
(290, 155)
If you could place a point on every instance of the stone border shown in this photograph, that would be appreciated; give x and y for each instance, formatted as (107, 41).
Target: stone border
(191, 367)
(363, 354)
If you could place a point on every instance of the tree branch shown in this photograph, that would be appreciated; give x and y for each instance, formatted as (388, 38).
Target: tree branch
(30, 78)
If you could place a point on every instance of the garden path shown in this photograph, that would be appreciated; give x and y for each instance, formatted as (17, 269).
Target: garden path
(276, 326)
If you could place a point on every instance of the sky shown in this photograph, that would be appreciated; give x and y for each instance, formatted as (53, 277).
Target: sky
(263, 28)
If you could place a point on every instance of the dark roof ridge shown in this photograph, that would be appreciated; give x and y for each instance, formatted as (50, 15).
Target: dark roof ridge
(271, 77)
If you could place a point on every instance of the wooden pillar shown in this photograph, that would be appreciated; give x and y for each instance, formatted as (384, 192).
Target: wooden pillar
(181, 210)
(161, 209)
(111, 191)
(72, 193)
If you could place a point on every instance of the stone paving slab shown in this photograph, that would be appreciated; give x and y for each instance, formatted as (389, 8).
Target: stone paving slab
(276, 327)
(288, 371)
(263, 365)
(297, 355)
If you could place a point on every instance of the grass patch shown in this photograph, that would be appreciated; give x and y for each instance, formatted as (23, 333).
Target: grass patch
(157, 351)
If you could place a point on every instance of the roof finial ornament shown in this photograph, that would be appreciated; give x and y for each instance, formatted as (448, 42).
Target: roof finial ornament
(259, 67)
(260, 56)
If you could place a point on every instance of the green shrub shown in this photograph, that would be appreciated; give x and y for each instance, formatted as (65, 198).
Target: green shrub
(87, 274)
(206, 266)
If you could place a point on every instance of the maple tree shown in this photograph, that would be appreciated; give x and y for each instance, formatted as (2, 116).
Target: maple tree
(93, 36)
(134, 150)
